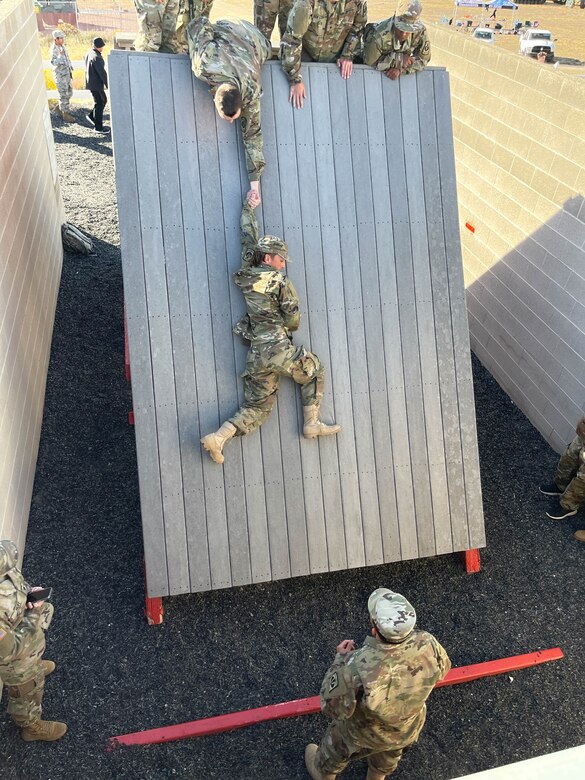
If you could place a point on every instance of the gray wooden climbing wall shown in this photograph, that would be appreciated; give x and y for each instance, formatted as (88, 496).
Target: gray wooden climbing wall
(361, 184)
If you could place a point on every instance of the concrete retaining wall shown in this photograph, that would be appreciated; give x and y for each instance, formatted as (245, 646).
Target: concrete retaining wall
(30, 259)
(520, 152)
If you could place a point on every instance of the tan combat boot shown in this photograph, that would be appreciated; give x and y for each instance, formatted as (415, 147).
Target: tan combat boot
(67, 117)
(310, 756)
(373, 774)
(214, 442)
(48, 667)
(314, 426)
(580, 536)
(43, 731)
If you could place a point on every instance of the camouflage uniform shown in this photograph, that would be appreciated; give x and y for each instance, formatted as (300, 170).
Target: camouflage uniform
(22, 641)
(323, 30)
(265, 13)
(570, 474)
(273, 313)
(63, 70)
(383, 51)
(158, 26)
(233, 52)
(376, 697)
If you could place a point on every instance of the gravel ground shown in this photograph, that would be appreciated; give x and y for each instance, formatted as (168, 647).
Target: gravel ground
(115, 674)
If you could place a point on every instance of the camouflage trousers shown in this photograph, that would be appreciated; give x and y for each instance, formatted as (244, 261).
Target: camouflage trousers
(264, 367)
(158, 26)
(204, 9)
(570, 475)
(65, 89)
(24, 677)
(265, 13)
(337, 749)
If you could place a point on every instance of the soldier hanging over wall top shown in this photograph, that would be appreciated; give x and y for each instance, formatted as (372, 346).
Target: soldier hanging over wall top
(272, 315)
(399, 45)
(228, 55)
(321, 31)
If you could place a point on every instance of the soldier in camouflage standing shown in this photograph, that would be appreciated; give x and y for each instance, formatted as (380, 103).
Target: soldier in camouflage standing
(569, 481)
(272, 315)
(321, 31)
(229, 55)
(22, 644)
(266, 12)
(399, 45)
(63, 70)
(157, 21)
(376, 695)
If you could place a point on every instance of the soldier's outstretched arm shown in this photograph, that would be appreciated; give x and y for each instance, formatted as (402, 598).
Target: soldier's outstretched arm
(253, 143)
(354, 36)
(377, 52)
(421, 55)
(291, 45)
(248, 232)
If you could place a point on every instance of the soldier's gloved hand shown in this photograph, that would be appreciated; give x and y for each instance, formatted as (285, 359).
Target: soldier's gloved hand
(346, 67)
(347, 646)
(298, 93)
(392, 73)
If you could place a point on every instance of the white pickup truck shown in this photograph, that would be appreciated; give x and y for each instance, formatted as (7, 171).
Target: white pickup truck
(533, 41)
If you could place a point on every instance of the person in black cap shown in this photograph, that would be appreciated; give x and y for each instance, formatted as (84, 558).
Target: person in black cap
(96, 80)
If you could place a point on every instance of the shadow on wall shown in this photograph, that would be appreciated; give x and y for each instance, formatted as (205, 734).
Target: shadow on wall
(527, 320)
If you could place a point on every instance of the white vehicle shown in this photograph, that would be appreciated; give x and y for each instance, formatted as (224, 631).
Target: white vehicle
(484, 34)
(533, 41)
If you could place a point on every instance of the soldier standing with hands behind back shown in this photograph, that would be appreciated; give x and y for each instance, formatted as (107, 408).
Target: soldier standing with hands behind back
(22, 644)
(63, 70)
(376, 695)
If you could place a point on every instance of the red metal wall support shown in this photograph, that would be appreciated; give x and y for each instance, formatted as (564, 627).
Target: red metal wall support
(472, 561)
(289, 709)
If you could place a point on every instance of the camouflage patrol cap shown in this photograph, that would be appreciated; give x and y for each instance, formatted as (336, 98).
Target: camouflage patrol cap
(392, 614)
(407, 14)
(273, 245)
(58, 34)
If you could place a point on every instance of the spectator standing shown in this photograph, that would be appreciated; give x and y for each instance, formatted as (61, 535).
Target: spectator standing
(63, 70)
(96, 80)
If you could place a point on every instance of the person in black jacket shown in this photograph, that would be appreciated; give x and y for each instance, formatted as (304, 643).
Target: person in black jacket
(96, 80)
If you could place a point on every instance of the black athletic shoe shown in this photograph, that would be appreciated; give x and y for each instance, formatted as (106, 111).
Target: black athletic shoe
(104, 129)
(551, 489)
(557, 512)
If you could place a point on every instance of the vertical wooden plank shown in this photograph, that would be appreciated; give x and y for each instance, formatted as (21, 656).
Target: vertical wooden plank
(161, 347)
(354, 204)
(137, 319)
(318, 326)
(223, 380)
(430, 152)
(197, 361)
(458, 312)
(414, 118)
(391, 434)
(311, 530)
(336, 311)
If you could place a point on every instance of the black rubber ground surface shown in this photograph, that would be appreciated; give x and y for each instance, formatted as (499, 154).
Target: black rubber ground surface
(231, 650)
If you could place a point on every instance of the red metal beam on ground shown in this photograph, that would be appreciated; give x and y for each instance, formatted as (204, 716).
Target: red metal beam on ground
(472, 561)
(289, 709)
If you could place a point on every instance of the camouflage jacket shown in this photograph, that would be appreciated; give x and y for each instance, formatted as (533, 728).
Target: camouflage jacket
(325, 30)
(16, 632)
(379, 691)
(272, 302)
(233, 52)
(580, 430)
(383, 51)
(60, 60)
